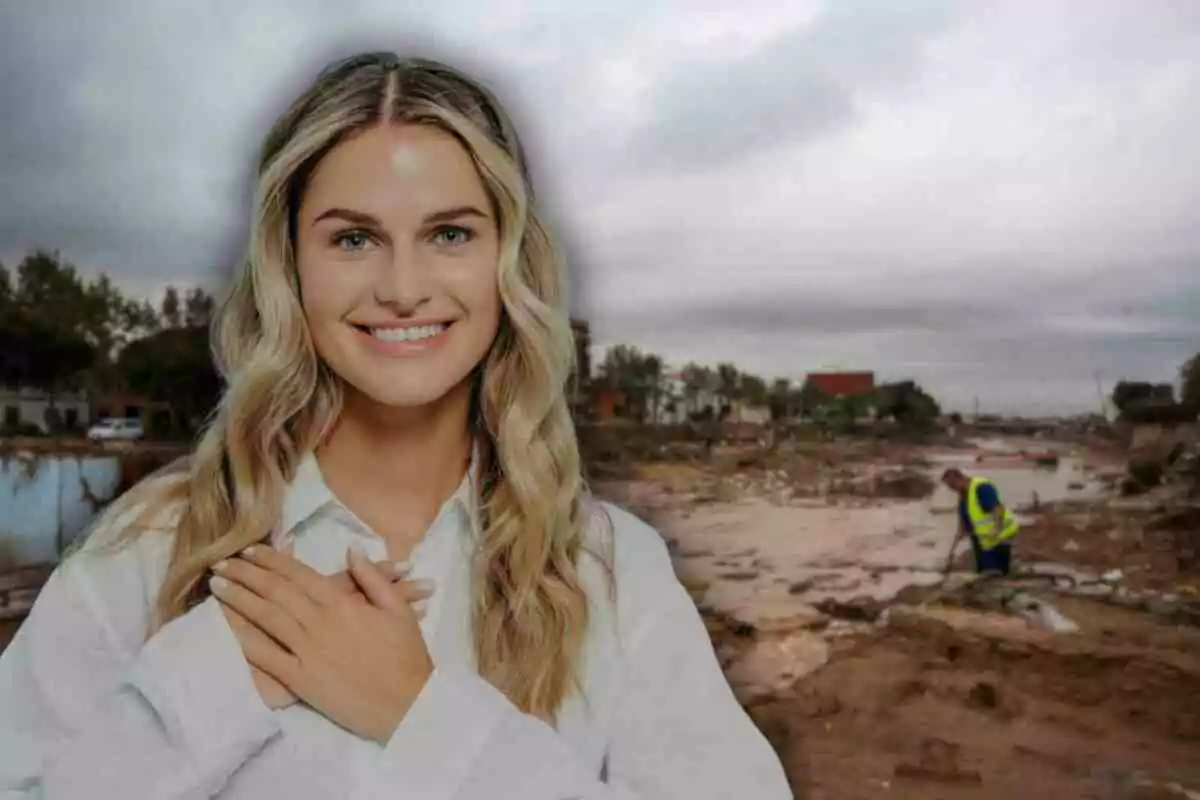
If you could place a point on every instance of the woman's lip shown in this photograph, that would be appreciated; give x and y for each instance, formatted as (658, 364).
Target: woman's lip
(402, 348)
(388, 326)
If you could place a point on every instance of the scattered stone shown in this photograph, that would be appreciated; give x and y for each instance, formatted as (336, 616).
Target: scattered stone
(1094, 590)
(1112, 576)
(741, 575)
(1161, 606)
(802, 587)
(859, 609)
(984, 695)
(1053, 620)
(1046, 570)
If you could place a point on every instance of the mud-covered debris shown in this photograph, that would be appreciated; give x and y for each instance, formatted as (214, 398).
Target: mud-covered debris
(1050, 618)
(899, 484)
(858, 609)
(741, 575)
(778, 617)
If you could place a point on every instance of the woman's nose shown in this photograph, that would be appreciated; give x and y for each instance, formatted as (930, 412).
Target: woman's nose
(402, 281)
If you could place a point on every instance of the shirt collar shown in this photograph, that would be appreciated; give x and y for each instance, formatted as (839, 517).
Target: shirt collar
(307, 493)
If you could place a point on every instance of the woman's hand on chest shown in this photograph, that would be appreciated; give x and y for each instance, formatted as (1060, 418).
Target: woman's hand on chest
(356, 657)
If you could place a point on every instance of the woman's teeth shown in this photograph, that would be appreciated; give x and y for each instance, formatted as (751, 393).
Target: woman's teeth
(407, 334)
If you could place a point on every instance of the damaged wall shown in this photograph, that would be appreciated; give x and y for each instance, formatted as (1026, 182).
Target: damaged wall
(47, 499)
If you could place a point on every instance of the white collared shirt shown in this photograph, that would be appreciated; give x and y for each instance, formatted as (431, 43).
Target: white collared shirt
(90, 709)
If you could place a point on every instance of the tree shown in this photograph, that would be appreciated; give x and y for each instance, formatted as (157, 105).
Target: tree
(1189, 390)
(810, 398)
(6, 290)
(651, 374)
(1141, 401)
(636, 375)
(175, 366)
(729, 384)
(780, 399)
(698, 382)
(906, 403)
(693, 384)
(171, 312)
(36, 353)
(198, 308)
(49, 328)
(54, 304)
(754, 390)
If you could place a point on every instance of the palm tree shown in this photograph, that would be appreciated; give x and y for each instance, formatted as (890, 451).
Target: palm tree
(728, 383)
(695, 381)
(651, 375)
(780, 399)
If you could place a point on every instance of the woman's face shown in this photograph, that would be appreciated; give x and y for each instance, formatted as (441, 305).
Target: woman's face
(397, 251)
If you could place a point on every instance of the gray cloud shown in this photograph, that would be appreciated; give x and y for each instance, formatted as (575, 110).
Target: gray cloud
(980, 196)
(803, 85)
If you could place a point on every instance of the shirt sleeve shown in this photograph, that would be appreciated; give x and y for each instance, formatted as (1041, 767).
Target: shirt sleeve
(989, 498)
(678, 732)
(84, 714)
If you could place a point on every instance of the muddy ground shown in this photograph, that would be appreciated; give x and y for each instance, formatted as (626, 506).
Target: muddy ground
(819, 569)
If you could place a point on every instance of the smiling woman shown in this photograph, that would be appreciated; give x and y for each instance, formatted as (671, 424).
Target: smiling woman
(380, 574)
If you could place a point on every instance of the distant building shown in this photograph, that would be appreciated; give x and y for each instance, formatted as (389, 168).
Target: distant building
(582, 379)
(744, 413)
(678, 407)
(156, 416)
(843, 384)
(34, 408)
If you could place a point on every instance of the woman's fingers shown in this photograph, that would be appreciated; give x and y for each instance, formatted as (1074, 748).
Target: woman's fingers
(269, 586)
(264, 614)
(391, 570)
(415, 591)
(311, 582)
(371, 581)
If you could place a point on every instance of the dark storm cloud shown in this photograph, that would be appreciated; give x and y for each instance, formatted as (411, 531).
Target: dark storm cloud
(804, 85)
(951, 191)
(106, 152)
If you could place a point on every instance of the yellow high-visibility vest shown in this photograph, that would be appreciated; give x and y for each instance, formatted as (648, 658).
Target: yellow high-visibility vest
(983, 523)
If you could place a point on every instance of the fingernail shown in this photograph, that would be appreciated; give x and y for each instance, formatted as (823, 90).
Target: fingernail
(251, 550)
(420, 606)
(220, 565)
(217, 583)
(424, 585)
(356, 550)
(401, 568)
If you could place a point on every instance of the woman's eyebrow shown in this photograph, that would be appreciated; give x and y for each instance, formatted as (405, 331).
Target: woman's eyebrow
(454, 213)
(357, 217)
(369, 220)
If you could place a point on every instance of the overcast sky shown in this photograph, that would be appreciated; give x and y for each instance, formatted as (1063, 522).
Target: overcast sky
(999, 199)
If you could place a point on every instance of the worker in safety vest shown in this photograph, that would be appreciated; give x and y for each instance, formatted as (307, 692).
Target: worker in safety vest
(985, 519)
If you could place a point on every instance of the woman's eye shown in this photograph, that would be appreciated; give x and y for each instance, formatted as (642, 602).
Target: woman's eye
(452, 235)
(352, 240)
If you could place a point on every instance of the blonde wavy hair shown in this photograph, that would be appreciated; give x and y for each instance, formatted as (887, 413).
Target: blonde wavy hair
(530, 608)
